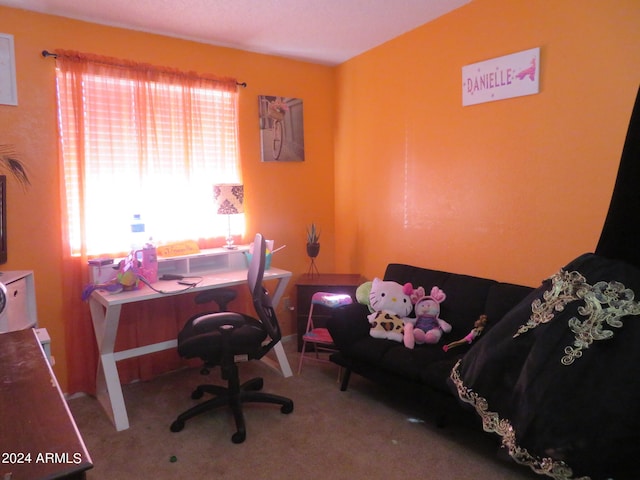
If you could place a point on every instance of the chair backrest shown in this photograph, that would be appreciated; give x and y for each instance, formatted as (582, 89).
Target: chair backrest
(260, 295)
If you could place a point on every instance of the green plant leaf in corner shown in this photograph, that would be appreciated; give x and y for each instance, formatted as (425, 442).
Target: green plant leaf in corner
(313, 234)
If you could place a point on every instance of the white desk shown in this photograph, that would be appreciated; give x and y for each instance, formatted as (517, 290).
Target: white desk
(105, 313)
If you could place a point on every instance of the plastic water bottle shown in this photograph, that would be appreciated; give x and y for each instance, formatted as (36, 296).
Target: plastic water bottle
(138, 236)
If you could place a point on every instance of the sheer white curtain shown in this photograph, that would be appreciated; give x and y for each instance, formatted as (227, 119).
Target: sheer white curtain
(137, 139)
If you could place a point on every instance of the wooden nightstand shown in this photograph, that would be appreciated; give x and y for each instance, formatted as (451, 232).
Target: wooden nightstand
(307, 285)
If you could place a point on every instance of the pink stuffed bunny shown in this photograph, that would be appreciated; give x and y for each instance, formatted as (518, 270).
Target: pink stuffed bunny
(428, 326)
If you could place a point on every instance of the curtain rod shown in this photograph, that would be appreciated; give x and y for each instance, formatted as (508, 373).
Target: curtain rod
(46, 53)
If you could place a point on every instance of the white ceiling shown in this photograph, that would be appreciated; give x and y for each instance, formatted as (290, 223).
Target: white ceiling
(319, 31)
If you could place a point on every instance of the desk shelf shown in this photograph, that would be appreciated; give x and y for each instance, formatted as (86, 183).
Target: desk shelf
(213, 260)
(207, 261)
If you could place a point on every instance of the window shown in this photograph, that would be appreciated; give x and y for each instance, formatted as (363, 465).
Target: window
(143, 140)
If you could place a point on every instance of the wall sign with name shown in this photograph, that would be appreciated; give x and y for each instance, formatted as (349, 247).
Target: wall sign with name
(510, 76)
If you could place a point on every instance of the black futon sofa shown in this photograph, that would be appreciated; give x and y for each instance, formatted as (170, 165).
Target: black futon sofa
(555, 374)
(423, 371)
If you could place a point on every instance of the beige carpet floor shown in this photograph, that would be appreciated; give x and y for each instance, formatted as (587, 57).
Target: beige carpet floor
(365, 432)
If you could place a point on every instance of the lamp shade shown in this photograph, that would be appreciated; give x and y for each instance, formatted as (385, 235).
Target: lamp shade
(229, 198)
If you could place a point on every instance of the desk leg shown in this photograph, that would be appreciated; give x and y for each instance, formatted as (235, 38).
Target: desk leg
(285, 368)
(108, 388)
(283, 360)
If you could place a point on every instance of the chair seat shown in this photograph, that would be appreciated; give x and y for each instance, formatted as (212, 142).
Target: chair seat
(318, 335)
(207, 345)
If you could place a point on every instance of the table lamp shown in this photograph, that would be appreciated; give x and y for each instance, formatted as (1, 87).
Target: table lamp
(229, 199)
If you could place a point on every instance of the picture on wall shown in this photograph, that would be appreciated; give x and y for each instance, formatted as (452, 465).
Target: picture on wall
(281, 129)
(8, 91)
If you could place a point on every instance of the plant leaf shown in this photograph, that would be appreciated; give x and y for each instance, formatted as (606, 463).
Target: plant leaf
(10, 163)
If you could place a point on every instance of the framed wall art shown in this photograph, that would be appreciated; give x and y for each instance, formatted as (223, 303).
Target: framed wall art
(281, 129)
(8, 90)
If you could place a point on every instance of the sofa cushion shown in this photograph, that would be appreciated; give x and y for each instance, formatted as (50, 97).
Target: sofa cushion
(436, 374)
(466, 295)
(372, 350)
(412, 363)
(425, 363)
(347, 324)
(501, 299)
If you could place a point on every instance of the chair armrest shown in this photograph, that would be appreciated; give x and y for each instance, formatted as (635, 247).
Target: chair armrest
(347, 324)
(213, 321)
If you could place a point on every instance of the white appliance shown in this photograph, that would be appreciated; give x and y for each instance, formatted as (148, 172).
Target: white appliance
(4, 319)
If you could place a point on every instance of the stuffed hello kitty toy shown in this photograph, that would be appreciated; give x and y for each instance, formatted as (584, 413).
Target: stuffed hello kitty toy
(427, 327)
(391, 304)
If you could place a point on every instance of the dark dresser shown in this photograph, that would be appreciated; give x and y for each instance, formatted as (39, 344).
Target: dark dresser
(39, 439)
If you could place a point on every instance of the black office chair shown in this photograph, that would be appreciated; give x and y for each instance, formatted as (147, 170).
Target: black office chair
(224, 337)
(219, 296)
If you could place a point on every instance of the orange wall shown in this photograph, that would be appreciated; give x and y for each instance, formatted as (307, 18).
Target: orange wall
(281, 198)
(512, 189)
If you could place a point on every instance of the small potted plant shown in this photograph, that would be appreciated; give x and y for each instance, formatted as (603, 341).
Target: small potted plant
(313, 241)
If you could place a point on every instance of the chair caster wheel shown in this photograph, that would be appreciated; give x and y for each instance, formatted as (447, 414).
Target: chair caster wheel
(177, 426)
(288, 408)
(238, 437)
(197, 394)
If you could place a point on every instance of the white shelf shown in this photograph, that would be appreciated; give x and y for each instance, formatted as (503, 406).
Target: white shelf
(207, 261)
(20, 310)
